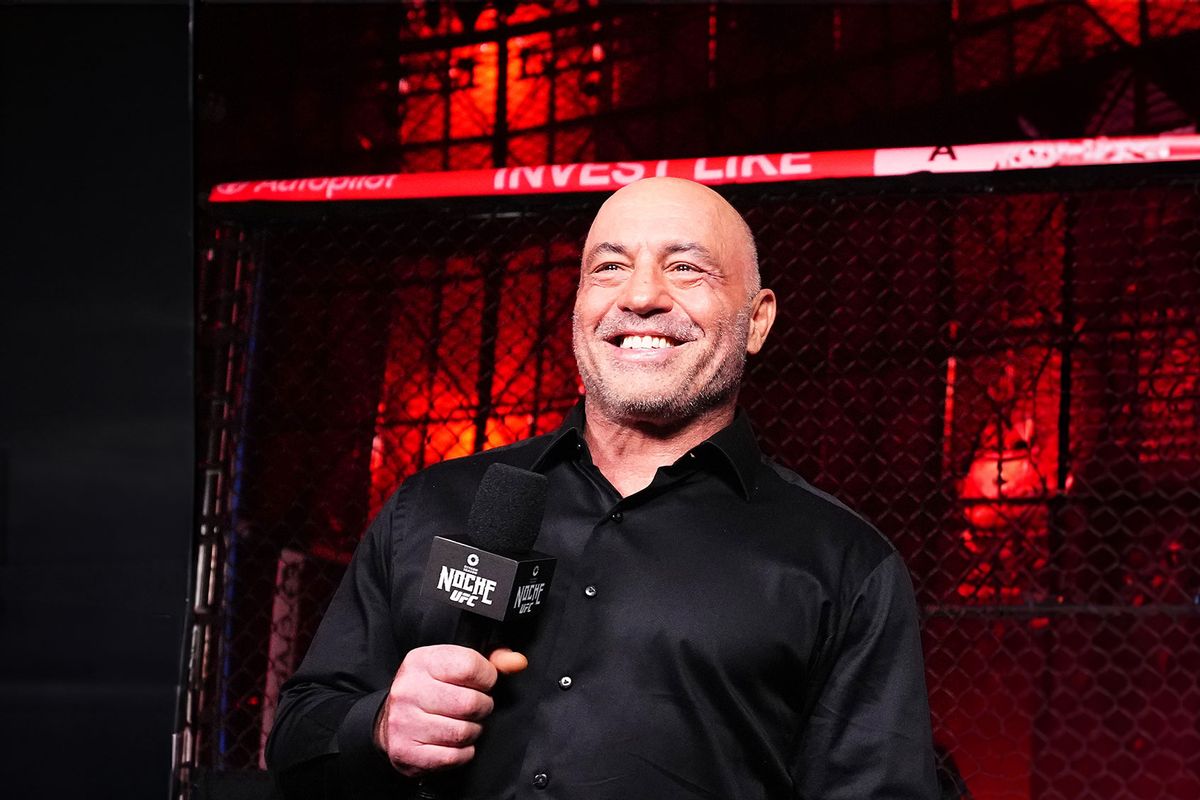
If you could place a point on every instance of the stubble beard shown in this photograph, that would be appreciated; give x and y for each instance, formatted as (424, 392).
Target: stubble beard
(686, 397)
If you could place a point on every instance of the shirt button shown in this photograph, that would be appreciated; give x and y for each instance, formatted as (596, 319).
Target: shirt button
(541, 780)
(589, 591)
(564, 682)
(616, 516)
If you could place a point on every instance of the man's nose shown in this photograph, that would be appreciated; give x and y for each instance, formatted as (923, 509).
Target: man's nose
(647, 291)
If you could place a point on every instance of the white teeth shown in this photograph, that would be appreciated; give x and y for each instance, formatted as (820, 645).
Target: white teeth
(644, 343)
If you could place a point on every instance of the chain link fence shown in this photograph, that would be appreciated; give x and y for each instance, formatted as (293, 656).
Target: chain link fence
(1002, 372)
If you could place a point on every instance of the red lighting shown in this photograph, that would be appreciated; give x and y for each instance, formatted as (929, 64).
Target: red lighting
(1013, 471)
(429, 409)
(1018, 467)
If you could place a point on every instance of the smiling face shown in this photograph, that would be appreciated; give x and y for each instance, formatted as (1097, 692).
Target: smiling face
(668, 303)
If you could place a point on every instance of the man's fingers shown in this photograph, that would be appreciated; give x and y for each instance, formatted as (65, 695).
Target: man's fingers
(456, 702)
(447, 732)
(461, 666)
(507, 661)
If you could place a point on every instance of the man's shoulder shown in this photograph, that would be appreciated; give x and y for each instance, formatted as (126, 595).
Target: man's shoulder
(824, 520)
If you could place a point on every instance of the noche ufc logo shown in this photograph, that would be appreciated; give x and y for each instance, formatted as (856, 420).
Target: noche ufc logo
(528, 596)
(465, 586)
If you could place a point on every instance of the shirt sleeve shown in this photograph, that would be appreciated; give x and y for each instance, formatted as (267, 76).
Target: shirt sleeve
(868, 734)
(322, 741)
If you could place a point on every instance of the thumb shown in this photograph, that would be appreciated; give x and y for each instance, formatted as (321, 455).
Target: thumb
(507, 661)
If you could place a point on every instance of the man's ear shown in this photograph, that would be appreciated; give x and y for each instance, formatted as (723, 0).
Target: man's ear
(762, 316)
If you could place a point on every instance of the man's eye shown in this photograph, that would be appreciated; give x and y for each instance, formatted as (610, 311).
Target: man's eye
(609, 267)
(683, 266)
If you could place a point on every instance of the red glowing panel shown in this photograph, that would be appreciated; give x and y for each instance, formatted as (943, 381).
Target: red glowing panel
(1120, 19)
(1016, 451)
(1006, 410)
(531, 66)
(473, 103)
(429, 404)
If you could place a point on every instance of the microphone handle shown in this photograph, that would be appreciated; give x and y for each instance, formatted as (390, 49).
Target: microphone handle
(476, 632)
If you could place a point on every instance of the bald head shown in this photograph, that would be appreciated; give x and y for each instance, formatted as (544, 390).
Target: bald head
(731, 230)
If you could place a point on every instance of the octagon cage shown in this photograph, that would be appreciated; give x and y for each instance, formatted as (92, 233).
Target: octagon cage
(1001, 371)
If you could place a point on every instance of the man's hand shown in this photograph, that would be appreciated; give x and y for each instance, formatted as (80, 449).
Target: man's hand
(438, 699)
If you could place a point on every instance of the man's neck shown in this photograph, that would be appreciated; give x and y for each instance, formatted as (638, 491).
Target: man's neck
(628, 453)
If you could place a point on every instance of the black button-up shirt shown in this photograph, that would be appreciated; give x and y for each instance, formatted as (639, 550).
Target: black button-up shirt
(727, 632)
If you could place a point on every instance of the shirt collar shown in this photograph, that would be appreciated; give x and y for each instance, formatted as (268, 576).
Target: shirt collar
(736, 447)
(564, 442)
(733, 448)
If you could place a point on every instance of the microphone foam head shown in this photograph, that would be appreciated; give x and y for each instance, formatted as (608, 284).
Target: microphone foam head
(507, 513)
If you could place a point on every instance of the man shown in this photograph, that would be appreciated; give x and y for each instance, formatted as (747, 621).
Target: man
(717, 628)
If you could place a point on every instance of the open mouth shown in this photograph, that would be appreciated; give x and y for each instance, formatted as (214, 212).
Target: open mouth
(642, 342)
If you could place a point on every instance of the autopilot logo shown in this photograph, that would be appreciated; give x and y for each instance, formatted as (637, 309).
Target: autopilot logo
(466, 586)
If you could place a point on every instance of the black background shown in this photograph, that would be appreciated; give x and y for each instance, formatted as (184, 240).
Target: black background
(97, 425)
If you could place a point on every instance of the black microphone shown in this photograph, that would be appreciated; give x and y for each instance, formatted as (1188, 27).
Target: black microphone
(495, 576)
